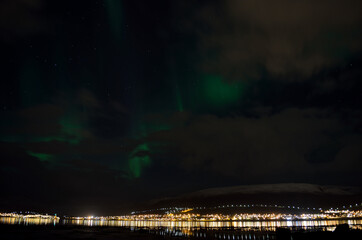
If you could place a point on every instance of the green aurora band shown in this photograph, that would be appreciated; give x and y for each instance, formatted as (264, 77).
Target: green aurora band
(114, 12)
(138, 159)
(212, 92)
(218, 92)
(41, 156)
(209, 92)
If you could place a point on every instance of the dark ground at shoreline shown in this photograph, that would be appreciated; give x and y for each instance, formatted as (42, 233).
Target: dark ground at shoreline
(16, 232)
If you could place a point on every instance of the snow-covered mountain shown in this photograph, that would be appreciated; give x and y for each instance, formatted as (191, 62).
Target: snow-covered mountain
(278, 188)
(299, 194)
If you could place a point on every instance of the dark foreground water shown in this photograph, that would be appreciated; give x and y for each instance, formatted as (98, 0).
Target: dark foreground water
(19, 228)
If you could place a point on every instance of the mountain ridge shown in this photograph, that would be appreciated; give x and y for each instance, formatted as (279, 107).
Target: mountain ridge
(280, 188)
(283, 193)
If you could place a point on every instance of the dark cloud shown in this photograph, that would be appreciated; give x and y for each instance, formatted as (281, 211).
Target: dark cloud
(106, 119)
(21, 18)
(90, 146)
(36, 121)
(288, 39)
(284, 144)
(68, 130)
(48, 186)
(87, 99)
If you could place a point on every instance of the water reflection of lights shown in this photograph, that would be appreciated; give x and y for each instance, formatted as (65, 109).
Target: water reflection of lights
(28, 221)
(354, 223)
(251, 225)
(199, 229)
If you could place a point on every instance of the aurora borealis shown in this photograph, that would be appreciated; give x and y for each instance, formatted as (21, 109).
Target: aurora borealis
(107, 103)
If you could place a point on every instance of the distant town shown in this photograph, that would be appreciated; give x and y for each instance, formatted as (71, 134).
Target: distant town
(237, 212)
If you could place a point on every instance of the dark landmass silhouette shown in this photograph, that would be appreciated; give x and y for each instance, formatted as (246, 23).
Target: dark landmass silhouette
(300, 195)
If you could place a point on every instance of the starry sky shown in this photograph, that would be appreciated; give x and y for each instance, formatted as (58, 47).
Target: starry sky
(105, 104)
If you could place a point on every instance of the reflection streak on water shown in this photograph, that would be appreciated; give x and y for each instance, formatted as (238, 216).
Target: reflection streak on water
(223, 229)
(28, 221)
(151, 224)
(262, 225)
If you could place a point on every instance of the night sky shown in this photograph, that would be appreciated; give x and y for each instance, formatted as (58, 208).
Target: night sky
(105, 104)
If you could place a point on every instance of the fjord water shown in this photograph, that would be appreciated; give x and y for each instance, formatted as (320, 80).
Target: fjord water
(241, 225)
(199, 229)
